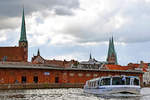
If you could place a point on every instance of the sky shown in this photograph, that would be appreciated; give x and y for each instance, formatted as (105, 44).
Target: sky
(72, 29)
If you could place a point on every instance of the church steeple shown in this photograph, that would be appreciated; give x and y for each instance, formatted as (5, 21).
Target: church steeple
(112, 56)
(23, 43)
(90, 56)
(38, 53)
(23, 37)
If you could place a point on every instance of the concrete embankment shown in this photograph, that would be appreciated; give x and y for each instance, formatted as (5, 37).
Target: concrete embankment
(39, 86)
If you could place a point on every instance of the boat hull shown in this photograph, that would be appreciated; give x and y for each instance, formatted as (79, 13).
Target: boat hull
(114, 89)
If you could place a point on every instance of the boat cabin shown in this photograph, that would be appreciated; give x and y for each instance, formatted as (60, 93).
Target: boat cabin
(113, 80)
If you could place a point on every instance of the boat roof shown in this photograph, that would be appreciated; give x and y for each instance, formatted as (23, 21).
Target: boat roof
(95, 79)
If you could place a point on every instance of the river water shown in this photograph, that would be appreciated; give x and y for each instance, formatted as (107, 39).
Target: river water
(66, 94)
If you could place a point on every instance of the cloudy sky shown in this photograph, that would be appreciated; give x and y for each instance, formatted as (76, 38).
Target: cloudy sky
(71, 29)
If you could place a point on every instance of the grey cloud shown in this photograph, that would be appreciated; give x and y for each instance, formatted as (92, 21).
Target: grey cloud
(13, 8)
(9, 23)
(63, 11)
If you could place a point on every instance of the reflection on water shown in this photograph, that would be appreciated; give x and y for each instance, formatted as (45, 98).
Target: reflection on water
(67, 94)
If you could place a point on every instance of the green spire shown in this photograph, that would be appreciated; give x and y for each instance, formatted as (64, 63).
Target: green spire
(23, 29)
(111, 50)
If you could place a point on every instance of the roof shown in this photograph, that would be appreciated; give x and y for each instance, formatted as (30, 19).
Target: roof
(57, 63)
(11, 54)
(23, 29)
(34, 66)
(142, 66)
(117, 67)
(60, 63)
(92, 62)
(38, 59)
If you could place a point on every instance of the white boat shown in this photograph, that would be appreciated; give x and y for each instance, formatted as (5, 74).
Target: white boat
(113, 85)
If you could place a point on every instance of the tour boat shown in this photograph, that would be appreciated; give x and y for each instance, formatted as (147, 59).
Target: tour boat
(113, 85)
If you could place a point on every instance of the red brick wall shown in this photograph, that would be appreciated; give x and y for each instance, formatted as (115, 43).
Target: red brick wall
(13, 54)
(8, 76)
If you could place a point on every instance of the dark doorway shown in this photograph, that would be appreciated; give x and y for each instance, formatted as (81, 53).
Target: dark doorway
(56, 79)
(23, 79)
(35, 79)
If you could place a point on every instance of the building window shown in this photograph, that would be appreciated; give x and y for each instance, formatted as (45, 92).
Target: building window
(4, 58)
(71, 74)
(56, 79)
(64, 73)
(35, 79)
(23, 79)
(88, 75)
(16, 81)
(95, 75)
(12, 73)
(80, 74)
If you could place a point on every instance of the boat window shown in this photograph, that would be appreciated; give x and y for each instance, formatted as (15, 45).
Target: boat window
(105, 81)
(98, 82)
(89, 84)
(94, 83)
(127, 81)
(118, 81)
(136, 81)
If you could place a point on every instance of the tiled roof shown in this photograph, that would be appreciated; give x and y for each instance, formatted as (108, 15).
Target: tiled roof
(117, 67)
(142, 66)
(60, 63)
(56, 63)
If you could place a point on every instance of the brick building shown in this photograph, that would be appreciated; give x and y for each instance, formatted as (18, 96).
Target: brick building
(14, 74)
(17, 53)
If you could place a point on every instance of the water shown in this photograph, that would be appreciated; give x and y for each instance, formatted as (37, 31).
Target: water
(66, 94)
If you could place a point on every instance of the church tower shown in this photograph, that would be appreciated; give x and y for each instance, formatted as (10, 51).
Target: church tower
(23, 43)
(38, 53)
(112, 56)
(90, 56)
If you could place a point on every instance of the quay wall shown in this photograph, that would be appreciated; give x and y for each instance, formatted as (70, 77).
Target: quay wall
(39, 86)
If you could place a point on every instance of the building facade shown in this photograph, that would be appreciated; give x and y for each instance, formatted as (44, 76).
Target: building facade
(15, 74)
